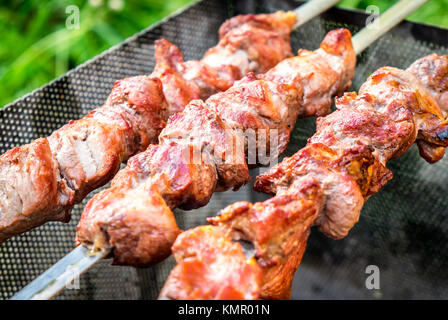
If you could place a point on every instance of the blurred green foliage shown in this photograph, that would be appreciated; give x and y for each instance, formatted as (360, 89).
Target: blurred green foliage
(36, 46)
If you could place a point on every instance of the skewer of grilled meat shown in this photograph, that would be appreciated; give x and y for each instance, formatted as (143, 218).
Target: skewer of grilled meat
(43, 180)
(324, 184)
(134, 218)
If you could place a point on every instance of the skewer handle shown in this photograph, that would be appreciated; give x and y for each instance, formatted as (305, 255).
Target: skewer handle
(311, 9)
(386, 21)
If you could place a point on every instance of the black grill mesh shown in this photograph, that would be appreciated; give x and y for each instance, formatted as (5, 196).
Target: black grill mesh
(403, 230)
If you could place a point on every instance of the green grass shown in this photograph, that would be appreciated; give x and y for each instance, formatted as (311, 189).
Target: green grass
(36, 47)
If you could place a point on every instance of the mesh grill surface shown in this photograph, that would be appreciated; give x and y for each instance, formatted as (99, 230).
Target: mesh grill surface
(403, 229)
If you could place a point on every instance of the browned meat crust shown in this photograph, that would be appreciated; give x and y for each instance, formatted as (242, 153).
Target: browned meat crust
(30, 181)
(230, 274)
(432, 71)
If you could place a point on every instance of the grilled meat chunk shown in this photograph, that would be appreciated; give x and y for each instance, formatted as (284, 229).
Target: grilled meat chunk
(30, 182)
(208, 254)
(432, 71)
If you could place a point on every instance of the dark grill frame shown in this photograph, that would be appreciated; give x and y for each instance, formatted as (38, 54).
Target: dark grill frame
(403, 229)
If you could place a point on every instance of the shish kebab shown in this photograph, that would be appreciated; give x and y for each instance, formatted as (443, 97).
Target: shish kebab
(198, 151)
(324, 184)
(133, 219)
(43, 180)
(201, 150)
(252, 251)
(129, 203)
(233, 57)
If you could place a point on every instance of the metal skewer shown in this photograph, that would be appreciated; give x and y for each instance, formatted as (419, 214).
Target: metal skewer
(61, 274)
(385, 22)
(311, 9)
(78, 261)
